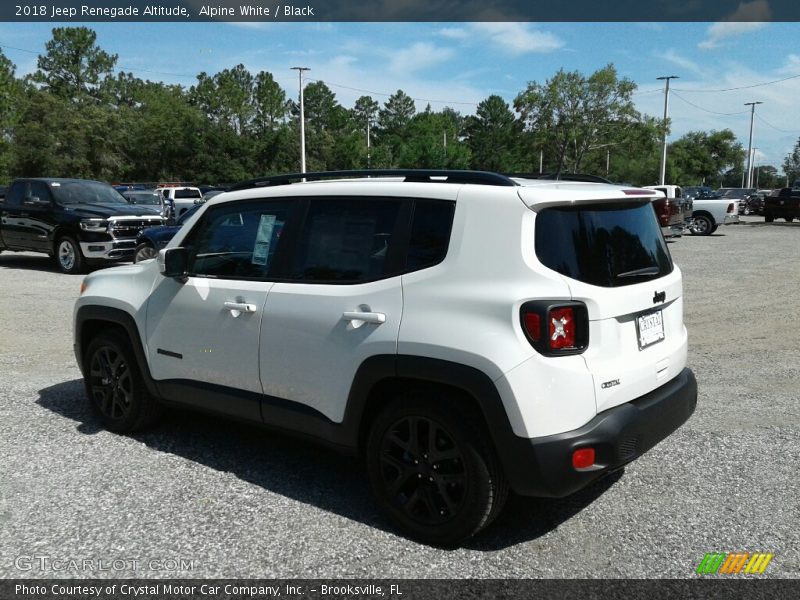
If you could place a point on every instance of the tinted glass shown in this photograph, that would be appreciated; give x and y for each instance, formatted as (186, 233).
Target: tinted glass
(39, 189)
(237, 241)
(147, 198)
(605, 245)
(345, 241)
(85, 192)
(430, 234)
(180, 194)
(14, 194)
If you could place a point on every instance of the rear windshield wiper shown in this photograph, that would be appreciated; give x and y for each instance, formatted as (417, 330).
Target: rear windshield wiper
(644, 272)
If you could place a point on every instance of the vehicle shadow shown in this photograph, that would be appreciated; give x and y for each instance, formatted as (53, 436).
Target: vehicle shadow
(38, 262)
(307, 472)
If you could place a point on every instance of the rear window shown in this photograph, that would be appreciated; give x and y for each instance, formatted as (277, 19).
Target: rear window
(181, 194)
(608, 245)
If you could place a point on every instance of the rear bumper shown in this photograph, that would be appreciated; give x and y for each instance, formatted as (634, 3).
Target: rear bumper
(731, 218)
(543, 466)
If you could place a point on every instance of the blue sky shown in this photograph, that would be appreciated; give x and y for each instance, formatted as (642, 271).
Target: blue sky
(460, 64)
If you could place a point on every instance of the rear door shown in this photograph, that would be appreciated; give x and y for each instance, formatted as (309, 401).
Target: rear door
(38, 217)
(341, 304)
(614, 259)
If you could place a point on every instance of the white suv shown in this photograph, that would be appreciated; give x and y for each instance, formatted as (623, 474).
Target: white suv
(465, 332)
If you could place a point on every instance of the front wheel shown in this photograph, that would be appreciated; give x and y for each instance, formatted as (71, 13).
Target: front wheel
(114, 385)
(788, 219)
(703, 225)
(433, 470)
(68, 256)
(769, 219)
(144, 251)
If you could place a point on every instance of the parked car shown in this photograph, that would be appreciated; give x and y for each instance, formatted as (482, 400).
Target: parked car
(76, 221)
(151, 240)
(734, 193)
(697, 191)
(182, 197)
(710, 213)
(153, 199)
(466, 333)
(672, 225)
(784, 205)
(752, 204)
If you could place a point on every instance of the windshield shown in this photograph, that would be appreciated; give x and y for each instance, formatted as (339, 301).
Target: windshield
(609, 245)
(148, 198)
(85, 192)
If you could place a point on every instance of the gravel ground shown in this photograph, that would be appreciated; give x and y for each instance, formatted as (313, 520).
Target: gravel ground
(197, 497)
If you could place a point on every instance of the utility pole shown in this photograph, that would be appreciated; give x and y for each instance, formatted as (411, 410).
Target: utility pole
(666, 114)
(752, 106)
(608, 160)
(368, 145)
(541, 161)
(302, 120)
(754, 178)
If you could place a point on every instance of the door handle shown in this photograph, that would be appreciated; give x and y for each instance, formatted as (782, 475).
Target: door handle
(240, 307)
(358, 318)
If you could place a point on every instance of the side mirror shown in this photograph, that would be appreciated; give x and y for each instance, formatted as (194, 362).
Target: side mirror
(173, 262)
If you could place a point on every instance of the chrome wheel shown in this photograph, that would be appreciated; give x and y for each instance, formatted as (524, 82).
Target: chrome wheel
(144, 252)
(66, 255)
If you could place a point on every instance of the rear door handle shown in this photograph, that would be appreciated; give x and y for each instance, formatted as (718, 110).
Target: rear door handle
(358, 318)
(237, 308)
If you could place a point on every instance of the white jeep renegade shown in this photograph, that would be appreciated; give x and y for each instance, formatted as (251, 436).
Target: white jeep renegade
(465, 332)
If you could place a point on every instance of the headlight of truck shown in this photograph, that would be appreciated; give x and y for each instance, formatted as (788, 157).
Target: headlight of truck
(96, 225)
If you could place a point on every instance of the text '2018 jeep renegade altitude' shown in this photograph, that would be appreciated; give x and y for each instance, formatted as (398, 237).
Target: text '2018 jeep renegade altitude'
(465, 332)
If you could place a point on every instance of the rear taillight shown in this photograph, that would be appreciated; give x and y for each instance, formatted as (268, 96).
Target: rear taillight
(556, 328)
(731, 207)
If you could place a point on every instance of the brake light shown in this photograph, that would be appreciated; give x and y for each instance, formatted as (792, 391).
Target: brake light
(561, 324)
(555, 328)
(583, 458)
(533, 325)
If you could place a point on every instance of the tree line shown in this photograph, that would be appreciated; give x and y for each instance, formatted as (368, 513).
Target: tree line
(77, 116)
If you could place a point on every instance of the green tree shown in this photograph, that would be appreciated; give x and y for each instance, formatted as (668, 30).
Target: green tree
(577, 112)
(703, 157)
(493, 136)
(11, 97)
(74, 66)
(791, 164)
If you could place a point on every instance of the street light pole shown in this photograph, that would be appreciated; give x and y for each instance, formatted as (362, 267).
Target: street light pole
(302, 120)
(752, 106)
(666, 114)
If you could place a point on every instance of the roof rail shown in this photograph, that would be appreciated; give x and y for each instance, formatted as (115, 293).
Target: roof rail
(417, 175)
(561, 177)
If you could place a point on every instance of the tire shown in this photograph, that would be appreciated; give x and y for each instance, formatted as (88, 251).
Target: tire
(144, 251)
(713, 229)
(68, 256)
(114, 385)
(432, 469)
(747, 211)
(788, 219)
(769, 219)
(703, 225)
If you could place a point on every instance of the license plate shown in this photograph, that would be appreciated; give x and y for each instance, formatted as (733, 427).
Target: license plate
(650, 328)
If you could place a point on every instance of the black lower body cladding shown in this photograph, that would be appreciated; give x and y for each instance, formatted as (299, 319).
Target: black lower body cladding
(618, 435)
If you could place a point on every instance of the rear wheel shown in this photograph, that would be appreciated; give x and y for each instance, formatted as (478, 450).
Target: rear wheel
(769, 219)
(114, 385)
(68, 256)
(703, 225)
(433, 470)
(788, 219)
(144, 251)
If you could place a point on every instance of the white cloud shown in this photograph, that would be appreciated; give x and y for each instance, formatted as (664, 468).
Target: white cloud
(454, 33)
(684, 63)
(748, 17)
(421, 55)
(518, 38)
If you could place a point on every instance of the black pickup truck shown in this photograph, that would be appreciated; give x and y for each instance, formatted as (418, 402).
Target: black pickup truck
(784, 205)
(76, 221)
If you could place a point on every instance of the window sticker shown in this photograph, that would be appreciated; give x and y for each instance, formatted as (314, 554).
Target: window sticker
(263, 239)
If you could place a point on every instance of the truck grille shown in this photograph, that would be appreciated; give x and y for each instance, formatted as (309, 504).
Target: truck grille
(130, 228)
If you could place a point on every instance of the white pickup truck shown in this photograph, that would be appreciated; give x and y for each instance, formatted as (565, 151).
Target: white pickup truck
(710, 213)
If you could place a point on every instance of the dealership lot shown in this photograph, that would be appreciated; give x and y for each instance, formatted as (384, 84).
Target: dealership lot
(197, 497)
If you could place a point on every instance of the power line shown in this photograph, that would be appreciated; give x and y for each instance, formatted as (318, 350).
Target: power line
(346, 87)
(767, 123)
(713, 112)
(743, 87)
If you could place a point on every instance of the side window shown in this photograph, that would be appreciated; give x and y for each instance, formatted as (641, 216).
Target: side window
(345, 241)
(237, 241)
(430, 234)
(15, 193)
(40, 190)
